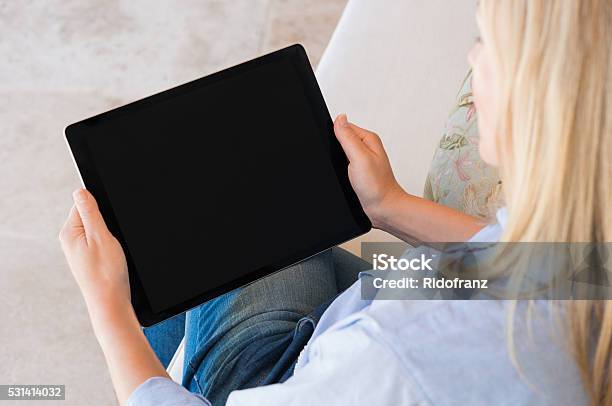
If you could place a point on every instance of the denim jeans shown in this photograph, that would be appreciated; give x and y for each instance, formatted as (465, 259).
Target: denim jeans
(252, 336)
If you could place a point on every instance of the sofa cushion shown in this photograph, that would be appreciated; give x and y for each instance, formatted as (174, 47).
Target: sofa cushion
(458, 177)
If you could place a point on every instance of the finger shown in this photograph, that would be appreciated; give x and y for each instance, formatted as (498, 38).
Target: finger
(351, 143)
(73, 227)
(90, 215)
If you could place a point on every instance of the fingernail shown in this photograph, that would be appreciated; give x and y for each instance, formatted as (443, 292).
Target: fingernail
(342, 120)
(80, 196)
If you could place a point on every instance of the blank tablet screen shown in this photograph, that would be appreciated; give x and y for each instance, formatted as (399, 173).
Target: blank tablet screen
(220, 180)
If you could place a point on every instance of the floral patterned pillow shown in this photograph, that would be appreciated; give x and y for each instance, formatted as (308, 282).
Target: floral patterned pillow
(458, 177)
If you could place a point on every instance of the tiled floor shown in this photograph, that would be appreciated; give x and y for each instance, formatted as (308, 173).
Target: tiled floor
(63, 60)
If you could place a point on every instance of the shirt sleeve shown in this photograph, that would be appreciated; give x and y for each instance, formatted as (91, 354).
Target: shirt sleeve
(161, 391)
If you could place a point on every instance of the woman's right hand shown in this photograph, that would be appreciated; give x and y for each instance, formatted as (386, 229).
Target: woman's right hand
(96, 259)
(369, 169)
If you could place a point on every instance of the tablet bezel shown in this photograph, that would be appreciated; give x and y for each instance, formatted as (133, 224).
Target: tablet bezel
(75, 138)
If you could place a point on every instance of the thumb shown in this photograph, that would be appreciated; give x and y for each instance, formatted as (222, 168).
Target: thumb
(93, 223)
(369, 139)
(73, 228)
(351, 142)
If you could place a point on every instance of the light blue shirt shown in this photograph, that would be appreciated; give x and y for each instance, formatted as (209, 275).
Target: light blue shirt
(403, 352)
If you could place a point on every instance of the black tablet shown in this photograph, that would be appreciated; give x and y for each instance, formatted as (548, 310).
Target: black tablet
(218, 182)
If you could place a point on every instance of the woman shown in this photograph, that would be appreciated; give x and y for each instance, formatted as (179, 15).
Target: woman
(543, 90)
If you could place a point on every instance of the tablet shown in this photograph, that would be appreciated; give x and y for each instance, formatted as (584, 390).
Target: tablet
(218, 182)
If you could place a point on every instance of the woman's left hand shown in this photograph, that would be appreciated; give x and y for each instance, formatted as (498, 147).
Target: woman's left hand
(95, 256)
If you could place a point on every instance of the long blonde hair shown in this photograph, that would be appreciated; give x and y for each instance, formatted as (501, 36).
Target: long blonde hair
(555, 143)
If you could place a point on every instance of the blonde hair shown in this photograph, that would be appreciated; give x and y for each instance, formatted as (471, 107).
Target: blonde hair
(555, 143)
